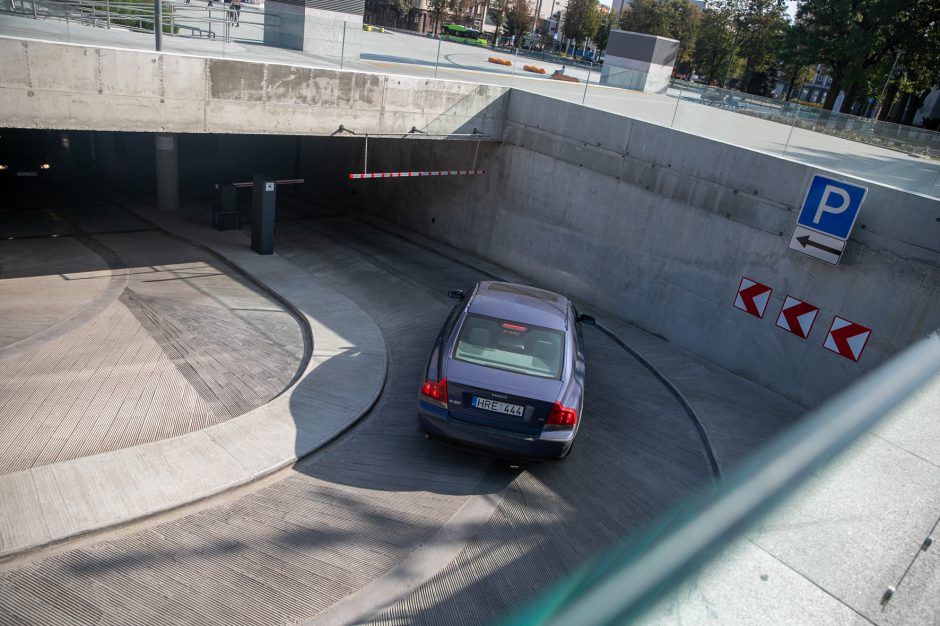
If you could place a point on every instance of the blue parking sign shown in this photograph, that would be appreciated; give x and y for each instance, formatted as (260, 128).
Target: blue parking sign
(831, 206)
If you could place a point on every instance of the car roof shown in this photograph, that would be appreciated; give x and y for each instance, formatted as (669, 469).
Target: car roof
(520, 303)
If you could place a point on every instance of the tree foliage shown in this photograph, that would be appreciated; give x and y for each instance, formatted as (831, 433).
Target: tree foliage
(401, 7)
(438, 9)
(761, 28)
(715, 43)
(676, 19)
(856, 39)
(461, 10)
(650, 17)
(498, 11)
(582, 19)
(519, 20)
(608, 22)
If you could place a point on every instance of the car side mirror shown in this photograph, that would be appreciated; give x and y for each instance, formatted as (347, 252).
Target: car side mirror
(456, 294)
(586, 319)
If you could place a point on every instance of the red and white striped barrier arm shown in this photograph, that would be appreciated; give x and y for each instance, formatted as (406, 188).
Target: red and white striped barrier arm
(283, 181)
(357, 176)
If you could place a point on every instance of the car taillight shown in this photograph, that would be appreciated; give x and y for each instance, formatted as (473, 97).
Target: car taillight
(561, 416)
(436, 390)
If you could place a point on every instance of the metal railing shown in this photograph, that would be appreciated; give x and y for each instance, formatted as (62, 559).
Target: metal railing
(908, 139)
(622, 584)
(202, 21)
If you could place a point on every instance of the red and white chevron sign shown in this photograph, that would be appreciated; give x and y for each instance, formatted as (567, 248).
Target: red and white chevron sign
(752, 297)
(847, 338)
(797, 317)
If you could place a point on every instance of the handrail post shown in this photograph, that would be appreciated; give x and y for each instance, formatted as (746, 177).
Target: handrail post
(108, 12)
(158, 24)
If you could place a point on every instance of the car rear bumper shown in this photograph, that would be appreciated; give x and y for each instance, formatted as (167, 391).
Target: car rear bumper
(436, 422)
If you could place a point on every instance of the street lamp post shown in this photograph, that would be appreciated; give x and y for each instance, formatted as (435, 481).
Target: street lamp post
(881, 98)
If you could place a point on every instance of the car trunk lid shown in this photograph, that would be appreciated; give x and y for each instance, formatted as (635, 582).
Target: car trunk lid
(499, 399)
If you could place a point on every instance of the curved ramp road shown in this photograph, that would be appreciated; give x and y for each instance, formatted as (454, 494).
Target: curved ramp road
(383, 524)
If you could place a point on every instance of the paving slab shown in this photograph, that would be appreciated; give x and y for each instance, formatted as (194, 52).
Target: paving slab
(49, 503)
(166, 341)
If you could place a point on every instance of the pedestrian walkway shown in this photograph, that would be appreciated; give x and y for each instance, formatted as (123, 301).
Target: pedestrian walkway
(159, 384)
(180, 346)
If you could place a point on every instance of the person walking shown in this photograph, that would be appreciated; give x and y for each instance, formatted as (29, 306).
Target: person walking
(236, 8)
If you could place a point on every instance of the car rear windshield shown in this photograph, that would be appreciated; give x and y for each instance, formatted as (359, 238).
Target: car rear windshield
(511, 346)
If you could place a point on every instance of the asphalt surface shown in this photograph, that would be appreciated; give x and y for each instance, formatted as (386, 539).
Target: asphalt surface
(343, 521)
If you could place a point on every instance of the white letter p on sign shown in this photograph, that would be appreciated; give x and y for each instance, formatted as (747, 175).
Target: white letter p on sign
(824, 202)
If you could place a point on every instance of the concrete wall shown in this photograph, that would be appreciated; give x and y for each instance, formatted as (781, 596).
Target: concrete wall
(659, 227)
(649, 223)
(64, 86)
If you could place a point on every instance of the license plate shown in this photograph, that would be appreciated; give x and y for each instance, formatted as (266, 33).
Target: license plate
(27, 173)
(498, 407)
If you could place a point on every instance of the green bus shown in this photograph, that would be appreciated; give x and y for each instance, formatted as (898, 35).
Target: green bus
(462, 34)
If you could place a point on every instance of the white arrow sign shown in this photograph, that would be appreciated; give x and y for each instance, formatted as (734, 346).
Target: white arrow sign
(822, 247)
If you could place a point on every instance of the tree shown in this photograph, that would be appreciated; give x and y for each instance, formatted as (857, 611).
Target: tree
(462, 10)
(438, 9)
(761, 28)
(796, 64)
(401, 8)
(911, 74)
(518, 20)
(676, 19)
(608, 22)
(715, 41)
(582, 19)
(855, 38)
(650, 17)
(498, 10)
(685, 19)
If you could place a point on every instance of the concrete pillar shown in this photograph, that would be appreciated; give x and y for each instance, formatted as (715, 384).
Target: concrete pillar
(168, 183)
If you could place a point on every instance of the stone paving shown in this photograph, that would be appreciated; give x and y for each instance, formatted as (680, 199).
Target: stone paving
(182, 343)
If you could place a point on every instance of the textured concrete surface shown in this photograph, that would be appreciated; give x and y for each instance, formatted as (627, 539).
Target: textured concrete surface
(381, 496)
(182, 343)
(341, 380)
(177, 93)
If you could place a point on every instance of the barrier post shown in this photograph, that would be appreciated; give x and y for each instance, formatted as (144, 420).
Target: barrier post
(264, 195)
(438, 61)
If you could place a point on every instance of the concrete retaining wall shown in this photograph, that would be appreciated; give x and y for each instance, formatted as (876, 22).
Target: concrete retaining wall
(659, 227)
(64, 86)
